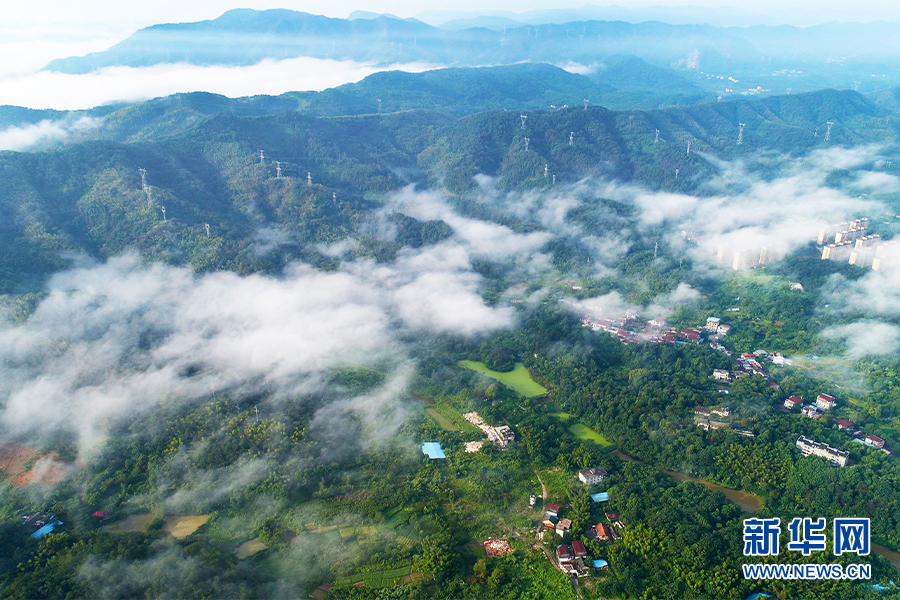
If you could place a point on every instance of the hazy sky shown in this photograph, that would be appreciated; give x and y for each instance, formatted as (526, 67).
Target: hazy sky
(112, 13)
(32, 34)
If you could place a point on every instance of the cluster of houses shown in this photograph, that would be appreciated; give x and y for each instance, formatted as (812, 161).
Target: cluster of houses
(502, 436)
(748, 363)
(824, 402)
(629, 329)
(704, 419)
(813, 410)
(552, 521)
(572, 558)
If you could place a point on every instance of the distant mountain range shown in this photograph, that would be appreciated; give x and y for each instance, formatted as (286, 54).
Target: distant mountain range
(721, 60)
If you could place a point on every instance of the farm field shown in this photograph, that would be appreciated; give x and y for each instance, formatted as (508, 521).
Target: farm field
(132, 524)
(518, 379)
(441, 420)
(249, 548)
(181, 527)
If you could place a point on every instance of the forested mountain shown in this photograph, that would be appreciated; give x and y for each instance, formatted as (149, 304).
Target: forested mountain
(201, 153)
(721, 59)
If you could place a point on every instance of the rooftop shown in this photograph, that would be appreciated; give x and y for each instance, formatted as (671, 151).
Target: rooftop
(433, 450)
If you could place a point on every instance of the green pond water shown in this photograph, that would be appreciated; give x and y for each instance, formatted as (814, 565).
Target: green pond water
(518, 379)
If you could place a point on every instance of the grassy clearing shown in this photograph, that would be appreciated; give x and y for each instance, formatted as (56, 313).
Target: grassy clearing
(557, 482)
(451, 416)
(518, 379)
(441, 420)
(133, 524)
(583, 432)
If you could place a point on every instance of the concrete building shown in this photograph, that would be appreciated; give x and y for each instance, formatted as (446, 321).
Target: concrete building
(885, 256)
(809, 446)
(593, 475)
(839, 251)
(721, 375)
(712, 324)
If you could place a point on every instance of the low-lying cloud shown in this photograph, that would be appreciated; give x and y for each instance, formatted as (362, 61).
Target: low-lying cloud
(44, 132)
(116, 339)
(63, 91)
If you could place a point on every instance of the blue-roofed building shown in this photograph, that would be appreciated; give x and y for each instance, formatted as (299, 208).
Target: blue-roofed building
(600, 564)
(601, 497)
(433, 450)
(46, 529)
(759, 596)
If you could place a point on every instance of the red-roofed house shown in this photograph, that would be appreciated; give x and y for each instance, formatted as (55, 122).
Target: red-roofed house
(563, 553)
(874, 441)
(579, 549)
(793, 402)
(845, 424)
(552, 510)
(604, 532)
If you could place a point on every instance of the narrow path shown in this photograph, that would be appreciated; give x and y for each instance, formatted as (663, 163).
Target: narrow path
(543, 487)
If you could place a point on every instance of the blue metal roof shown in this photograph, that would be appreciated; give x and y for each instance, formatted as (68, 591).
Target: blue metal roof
(45, 530)
(600, 563)
(433, 450)
(601, 497)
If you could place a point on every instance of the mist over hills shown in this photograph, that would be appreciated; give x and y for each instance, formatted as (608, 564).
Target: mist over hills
(201, 153)
(759, 58)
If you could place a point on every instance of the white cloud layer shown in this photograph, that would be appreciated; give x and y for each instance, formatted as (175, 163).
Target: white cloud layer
(63, 91)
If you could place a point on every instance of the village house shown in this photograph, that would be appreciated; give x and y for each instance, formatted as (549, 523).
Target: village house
(722, 411)
(824, 401)
(578, 549)
(702, 411)
(563, 527)
(604, 532)
(812, 411)
(564, 554)
(712, 324)
(593, 475)
(808, 446)
(793, 402)
(873, 441)
(724, 329)
(552, 509)
(721, 375)
(847, 426)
